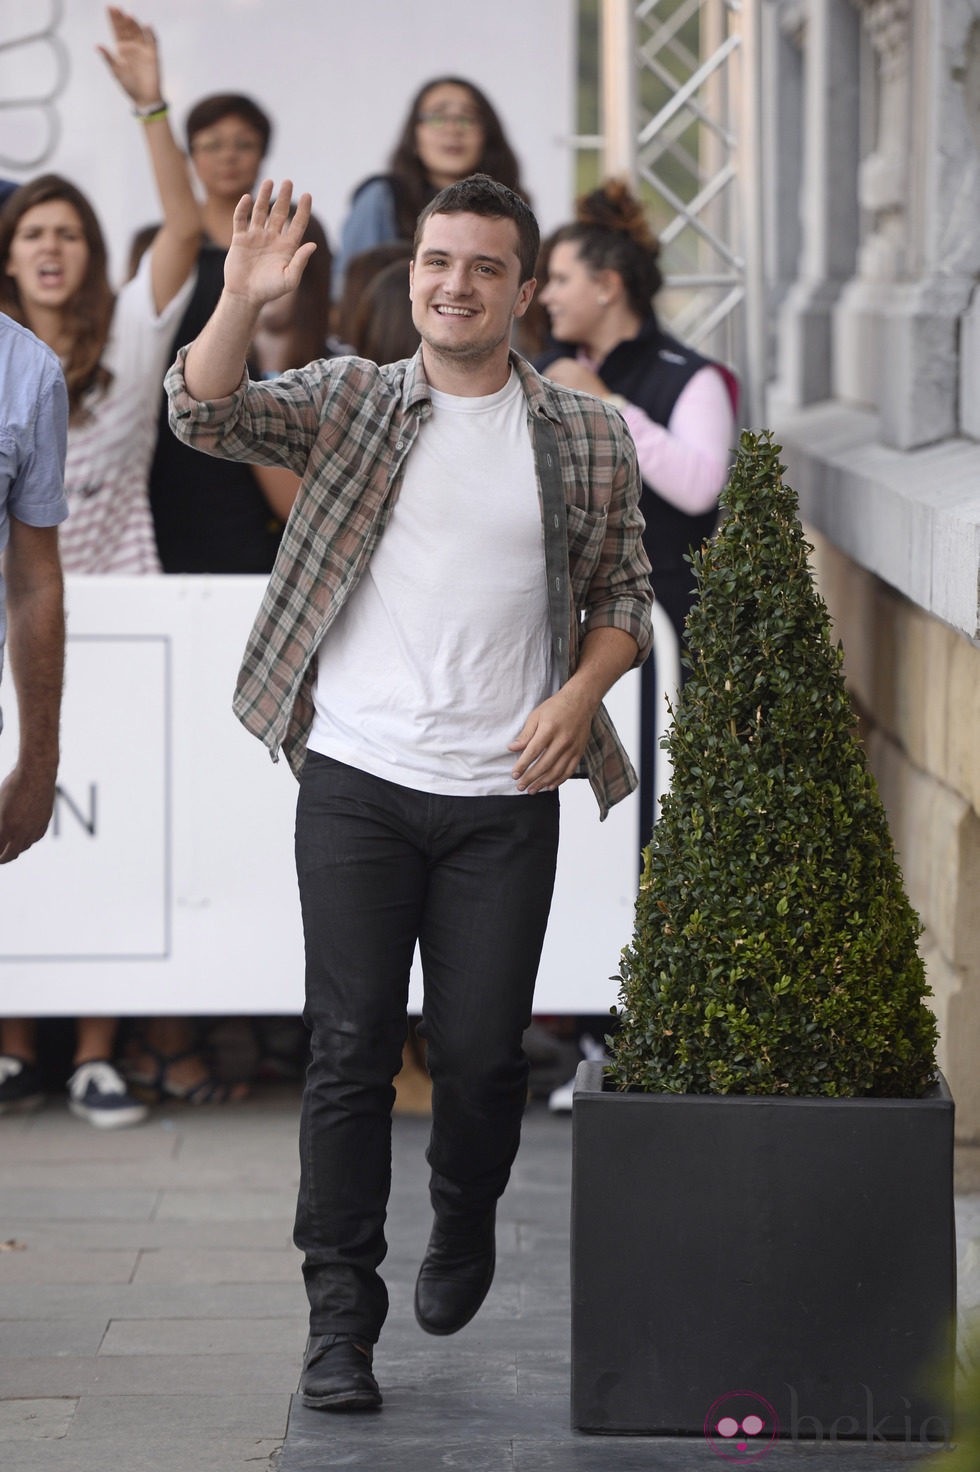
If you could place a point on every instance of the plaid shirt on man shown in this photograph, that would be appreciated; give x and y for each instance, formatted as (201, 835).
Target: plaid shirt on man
(345, 426)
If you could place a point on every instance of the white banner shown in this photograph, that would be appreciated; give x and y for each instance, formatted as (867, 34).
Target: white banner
(165, 883)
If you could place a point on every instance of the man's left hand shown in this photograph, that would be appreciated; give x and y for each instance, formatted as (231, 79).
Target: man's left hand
(552, 740)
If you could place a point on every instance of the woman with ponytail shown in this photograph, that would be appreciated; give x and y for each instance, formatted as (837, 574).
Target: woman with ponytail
(602, 275)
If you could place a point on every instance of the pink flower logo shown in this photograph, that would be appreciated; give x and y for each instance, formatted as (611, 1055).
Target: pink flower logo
(741, 1426)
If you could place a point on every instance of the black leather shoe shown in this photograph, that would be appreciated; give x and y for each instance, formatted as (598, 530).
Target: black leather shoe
(455, 1276)
(337, 1375)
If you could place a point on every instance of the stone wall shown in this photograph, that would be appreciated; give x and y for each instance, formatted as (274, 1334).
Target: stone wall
(916, 685)
(874, 396)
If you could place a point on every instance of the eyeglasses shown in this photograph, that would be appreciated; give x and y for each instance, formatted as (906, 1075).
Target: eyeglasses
(227, 145)
(437, 120)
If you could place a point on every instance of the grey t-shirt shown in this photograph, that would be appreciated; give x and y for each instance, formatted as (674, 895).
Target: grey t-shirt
(33, 436)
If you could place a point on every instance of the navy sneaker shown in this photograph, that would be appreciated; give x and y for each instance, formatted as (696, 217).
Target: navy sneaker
(96, 1092)
(20, 1085)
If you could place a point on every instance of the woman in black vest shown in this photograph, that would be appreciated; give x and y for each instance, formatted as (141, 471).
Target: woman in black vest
(602, 276)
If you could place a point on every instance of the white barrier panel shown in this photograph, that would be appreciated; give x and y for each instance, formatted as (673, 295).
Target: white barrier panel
(165, 883)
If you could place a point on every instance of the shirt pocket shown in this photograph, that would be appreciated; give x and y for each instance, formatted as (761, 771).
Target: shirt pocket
(586, 538)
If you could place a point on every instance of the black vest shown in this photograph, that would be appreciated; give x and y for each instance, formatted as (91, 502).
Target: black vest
(651, 370)
(209, 515)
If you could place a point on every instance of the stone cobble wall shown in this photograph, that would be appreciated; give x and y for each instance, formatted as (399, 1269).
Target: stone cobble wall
(916, 686)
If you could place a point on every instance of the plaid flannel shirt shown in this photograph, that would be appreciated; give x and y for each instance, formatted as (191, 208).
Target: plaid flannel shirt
(345, 426)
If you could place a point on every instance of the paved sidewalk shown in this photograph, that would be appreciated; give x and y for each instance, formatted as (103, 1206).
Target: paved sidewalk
(152, 1316)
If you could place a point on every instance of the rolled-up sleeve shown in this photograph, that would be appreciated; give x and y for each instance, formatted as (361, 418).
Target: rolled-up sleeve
(272, 423)
(619, 593)
(200, 422)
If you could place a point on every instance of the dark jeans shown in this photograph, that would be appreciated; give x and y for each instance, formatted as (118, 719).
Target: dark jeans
(381, 866)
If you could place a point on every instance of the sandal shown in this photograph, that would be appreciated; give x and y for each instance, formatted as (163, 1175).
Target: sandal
(154, 1084)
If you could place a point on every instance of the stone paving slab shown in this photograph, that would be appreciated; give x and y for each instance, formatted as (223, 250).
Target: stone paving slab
(156, 1415)
(404, 1368)
(159, 1174)
(34, 1420)
(53, 1137)
(45, 1377)
(103, 1234)
(65, 1267)
(75, 1335)
(215, 1265)
(158, 1300)
(206, 1336)
(173, 1450)
(493, 1337)
(245, 1375)
(58, 1203)
(219, 1205)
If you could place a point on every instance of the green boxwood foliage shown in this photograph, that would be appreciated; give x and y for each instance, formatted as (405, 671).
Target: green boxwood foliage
(774, 949)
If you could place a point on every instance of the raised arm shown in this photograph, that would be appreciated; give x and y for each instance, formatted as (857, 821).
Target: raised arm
(135, 64)
(266, 259)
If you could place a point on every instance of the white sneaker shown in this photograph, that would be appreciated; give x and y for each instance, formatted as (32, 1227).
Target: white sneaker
(560, 1099)
(96, 1092)
(592, 1049)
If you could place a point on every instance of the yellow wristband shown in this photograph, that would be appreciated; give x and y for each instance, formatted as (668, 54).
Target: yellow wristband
(617, 401)
(151, 113)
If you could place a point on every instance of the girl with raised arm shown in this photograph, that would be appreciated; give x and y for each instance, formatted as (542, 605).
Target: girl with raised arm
(114, 352)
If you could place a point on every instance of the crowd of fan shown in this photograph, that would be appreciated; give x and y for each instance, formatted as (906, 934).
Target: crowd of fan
(143, 503)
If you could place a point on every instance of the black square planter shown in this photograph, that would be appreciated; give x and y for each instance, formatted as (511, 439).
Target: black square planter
(800, 1251)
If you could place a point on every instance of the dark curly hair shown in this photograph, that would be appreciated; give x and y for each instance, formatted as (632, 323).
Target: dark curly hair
(612, 234)
(413, 189)
(89, 312)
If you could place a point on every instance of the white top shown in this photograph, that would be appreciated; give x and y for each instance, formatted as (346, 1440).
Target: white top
(444, 647)
(110, 528)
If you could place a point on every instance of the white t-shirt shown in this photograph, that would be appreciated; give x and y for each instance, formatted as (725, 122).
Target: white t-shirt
(444, 647)
(110, 528)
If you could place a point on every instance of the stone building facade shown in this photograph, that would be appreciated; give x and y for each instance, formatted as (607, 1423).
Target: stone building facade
(873, 235)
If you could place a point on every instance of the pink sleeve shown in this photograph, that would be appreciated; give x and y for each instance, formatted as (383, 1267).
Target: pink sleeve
(687, 463)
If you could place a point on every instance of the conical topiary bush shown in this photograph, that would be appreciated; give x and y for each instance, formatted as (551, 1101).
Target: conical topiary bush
(774, 950)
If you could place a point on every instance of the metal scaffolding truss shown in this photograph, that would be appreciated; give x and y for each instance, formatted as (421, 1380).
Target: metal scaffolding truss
(681, 118)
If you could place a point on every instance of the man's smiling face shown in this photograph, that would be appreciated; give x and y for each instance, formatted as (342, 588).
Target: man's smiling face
(466, 287)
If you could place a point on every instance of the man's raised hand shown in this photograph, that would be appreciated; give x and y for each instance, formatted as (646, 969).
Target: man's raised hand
(267, 256)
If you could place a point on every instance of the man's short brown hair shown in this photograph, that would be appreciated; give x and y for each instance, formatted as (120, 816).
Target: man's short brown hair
(481, 195)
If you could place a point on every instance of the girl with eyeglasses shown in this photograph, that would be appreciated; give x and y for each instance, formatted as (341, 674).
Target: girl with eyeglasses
(450, 131)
